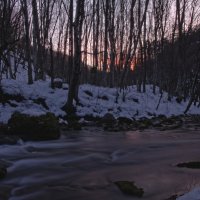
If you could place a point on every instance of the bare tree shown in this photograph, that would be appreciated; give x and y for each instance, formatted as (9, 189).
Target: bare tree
(39, 71)
(28, 47)
(73, 87)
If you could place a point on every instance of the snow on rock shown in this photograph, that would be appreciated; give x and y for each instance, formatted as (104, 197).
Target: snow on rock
(193, 195)
(96, 101)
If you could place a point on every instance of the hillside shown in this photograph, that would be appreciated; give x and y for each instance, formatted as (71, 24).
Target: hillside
(39, 98)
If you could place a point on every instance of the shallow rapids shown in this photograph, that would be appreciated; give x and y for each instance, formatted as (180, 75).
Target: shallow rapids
(83, 165)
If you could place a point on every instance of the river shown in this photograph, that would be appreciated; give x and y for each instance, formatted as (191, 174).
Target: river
(83, 165)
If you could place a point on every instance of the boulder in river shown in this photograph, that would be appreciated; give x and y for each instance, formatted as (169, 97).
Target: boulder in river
(44, 127)
(129, 188)
(191, 165)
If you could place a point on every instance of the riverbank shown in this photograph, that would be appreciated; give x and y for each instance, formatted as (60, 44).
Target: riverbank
(49, 127)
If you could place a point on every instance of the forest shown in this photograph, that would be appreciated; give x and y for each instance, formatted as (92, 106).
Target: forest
(110, 43)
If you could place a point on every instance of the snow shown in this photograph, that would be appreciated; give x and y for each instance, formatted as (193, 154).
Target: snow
(101, 101)
(193, 195)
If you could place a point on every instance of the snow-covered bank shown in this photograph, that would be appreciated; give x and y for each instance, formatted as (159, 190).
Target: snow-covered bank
(94, 100)
(193, 195)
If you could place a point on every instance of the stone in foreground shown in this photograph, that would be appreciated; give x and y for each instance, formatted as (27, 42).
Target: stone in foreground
(129, 188)
(44, 127)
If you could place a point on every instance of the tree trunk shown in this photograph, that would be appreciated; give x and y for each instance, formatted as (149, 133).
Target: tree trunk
(73, 87)
(36, 35)
(28, 48)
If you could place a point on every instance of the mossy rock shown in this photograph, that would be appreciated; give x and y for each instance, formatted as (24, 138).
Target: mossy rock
(44, 127)
(192, 165)
(3, 172)
(129, 188)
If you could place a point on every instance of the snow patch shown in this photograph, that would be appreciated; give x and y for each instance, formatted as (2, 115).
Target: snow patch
(193, 195)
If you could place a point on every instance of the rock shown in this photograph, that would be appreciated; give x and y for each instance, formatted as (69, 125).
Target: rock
(129, 188)
(9, 140)
(108, 118)
(44, 127)
(144, 123)
(169, 127)
(191, 165)
(85, 123)
(3, 172)
(171, 123)
(124, 120)
(73, 122)
(42, 102)
(156, 122)
(124, 127)
(5, 97)
(92, 118)
(58, 83)
(143, 126)
(109, 122)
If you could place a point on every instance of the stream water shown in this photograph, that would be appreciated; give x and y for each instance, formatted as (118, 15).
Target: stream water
(83, 165)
